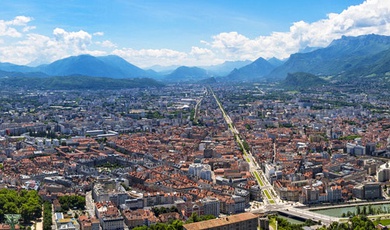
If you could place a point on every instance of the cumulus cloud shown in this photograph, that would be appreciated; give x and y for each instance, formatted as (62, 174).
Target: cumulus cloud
(28, 28)
(98, 34)
(19, 45)
(77, 40)
(372, 16)
(201, 52)
(106, 44)
(19, 21)
(41, 49)
(8, 28)
(149, 57)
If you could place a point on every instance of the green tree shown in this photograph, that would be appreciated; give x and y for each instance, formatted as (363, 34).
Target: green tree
(177, 224)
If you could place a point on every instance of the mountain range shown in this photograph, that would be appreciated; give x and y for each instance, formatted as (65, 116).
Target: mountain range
(341, 56)
(345, 58)
(255, 70)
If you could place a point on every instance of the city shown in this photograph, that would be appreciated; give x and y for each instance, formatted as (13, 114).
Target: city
(194, 115)
(210, 150)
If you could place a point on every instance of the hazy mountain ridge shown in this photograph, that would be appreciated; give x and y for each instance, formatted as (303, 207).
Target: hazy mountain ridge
(344, 59)
(77, 82)
(105, 66)
(188, 74)
(254, 71)
(226, 67)
(341, 55)
(301, 79)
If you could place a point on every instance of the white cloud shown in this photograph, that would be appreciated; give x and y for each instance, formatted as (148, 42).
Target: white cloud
(106, 44)
(197, 51)
(19, 21)
(7, 28)
(98, 34)
(372, 16)
(28, 28)
(77, 40)
(149, 57)
(44, 49)
(19, 45)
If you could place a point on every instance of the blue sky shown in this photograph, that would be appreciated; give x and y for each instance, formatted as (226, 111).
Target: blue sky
(177, 32)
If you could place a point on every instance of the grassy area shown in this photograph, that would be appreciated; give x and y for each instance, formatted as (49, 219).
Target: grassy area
(271, 201)
(383, 222)
(258, 178)
(267, 194)
(272, 223)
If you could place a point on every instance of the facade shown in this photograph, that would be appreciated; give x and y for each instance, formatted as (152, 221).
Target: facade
(368, 191)
(244, 221)
(211, 206)
(383, 174)
(62, 223)
(139, 217)
(202, 171)
(109, 216)
(88, 223)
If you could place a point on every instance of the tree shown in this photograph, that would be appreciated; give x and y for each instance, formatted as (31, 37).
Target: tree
(73, 201)
(177, 224)
(193, 218)
(47, 219)
(364, 210)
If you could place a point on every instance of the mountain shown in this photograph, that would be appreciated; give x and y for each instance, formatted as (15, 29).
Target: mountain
(21, 74)
(340, 56)
(301, 79)
(163, 70)
(275, 62)
(77, 82)
(188, 74)
(226, 67)
(308, 49)
(108, 66)
(207, 81)
(254, 71)
(9, 67)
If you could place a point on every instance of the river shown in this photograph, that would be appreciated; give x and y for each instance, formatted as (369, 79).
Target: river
(338, 212)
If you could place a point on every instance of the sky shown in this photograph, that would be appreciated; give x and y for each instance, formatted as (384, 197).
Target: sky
(176, 32)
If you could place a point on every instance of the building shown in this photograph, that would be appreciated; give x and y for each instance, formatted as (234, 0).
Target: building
(87, 223)
(211, 206)
(109, 216)
(383, 173)
(244, 221)
(139, 217)
(202, 171)
(334, 194)
(368, 191)
(62, 223)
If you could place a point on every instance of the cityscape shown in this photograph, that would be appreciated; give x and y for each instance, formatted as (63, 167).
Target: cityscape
(232, 135)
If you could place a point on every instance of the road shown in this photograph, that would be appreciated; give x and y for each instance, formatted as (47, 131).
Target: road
(197, 110)
(269, 194)
(272, 202)
(89, 204)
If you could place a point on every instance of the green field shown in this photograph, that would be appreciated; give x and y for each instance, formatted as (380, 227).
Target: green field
(258, 178)
(383, 222)
(271, 201)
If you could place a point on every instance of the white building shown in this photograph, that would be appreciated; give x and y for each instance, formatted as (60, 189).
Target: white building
(200, 170)
(383, 173)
